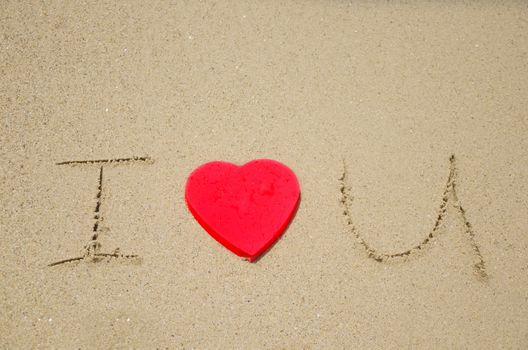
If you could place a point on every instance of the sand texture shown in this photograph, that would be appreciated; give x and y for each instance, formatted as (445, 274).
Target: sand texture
(406, 124)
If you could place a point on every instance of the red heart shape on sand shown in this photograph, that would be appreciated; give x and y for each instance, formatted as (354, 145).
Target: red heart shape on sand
(245, 208)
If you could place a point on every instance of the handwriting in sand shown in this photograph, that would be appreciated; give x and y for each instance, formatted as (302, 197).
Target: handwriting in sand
(448, 194)
(92, 250)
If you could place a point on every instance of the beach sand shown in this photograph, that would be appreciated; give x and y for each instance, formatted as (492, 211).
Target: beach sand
(366, 102)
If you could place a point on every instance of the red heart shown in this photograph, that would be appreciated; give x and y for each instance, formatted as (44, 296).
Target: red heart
(245, 208)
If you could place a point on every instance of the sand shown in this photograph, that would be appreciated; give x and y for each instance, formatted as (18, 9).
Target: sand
(366, 102)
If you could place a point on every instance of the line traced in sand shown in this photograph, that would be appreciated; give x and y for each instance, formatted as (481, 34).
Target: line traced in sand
(91, 250)
(108, 161)
(450, 188)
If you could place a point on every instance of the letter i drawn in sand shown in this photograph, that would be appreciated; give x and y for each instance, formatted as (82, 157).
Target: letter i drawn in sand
(92, 250)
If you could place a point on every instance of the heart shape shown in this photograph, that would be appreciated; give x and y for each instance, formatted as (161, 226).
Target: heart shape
(245, 208)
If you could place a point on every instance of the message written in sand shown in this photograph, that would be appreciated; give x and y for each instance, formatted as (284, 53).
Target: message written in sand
(448, 195)
(92, 250)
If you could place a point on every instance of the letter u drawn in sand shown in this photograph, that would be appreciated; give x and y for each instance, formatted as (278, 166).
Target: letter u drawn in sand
(448, 195)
